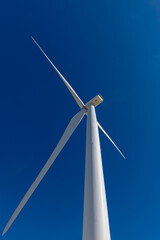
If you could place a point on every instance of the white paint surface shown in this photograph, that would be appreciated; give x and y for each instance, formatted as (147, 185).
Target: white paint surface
(95, 218)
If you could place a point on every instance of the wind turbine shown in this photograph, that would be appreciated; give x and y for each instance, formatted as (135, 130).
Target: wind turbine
(95, 215)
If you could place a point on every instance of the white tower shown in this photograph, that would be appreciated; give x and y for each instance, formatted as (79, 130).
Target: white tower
(95, 217)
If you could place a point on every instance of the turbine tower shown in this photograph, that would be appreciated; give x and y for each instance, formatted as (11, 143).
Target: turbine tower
(95, 215)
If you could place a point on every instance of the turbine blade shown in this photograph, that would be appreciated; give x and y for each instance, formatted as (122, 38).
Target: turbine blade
(67, 134)
(110, 139)
(74, 94)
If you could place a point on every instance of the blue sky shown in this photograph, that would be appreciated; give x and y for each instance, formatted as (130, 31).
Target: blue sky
(107, 47)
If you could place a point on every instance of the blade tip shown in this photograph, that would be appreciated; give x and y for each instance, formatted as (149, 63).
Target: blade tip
(122, 154)
(4, 231)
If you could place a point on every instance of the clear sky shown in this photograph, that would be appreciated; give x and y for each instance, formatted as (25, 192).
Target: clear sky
(109, 47)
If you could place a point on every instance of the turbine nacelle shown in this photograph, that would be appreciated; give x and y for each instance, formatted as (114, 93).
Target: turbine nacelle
(94, 101)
